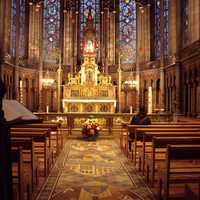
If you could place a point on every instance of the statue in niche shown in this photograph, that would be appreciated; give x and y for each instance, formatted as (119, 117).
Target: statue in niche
(89, 77)
(90, 47)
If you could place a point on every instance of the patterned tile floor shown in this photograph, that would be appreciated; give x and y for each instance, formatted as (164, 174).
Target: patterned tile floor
(93, 170)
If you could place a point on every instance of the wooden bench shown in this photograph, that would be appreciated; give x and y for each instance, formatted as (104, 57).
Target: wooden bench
(40, 138)
(127, 128)
(158, 150)
(184, 173)
(55, 132)
(18, 172)
(138, 136)
(147, 138)
(27, 145)
(191, 193)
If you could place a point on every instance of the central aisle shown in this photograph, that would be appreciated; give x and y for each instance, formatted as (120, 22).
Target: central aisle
(93, 170)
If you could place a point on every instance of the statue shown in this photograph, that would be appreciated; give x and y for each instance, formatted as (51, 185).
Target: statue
(90, 46)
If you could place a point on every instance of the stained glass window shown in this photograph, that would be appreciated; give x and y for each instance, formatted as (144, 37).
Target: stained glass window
(22, 35)
(157, 29)
(185, 22)
(13, 28)
(94, 6)
(127, 23)
(166, 26)
(51, 30)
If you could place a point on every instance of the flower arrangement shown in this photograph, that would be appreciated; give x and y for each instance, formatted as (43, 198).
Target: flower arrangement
(90, 128)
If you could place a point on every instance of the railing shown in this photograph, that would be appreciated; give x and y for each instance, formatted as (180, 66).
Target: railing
(75, 120)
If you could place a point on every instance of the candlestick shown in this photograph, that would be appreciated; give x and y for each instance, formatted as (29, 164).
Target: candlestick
(131, 109)
(47, 109)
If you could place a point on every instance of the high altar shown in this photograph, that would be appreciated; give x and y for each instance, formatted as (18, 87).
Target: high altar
(89, 90)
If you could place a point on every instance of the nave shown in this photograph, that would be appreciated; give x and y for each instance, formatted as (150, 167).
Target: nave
(88, 170)
(161, 162)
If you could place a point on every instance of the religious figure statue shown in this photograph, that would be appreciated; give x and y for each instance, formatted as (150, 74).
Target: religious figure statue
(90, 46)
(89, 76)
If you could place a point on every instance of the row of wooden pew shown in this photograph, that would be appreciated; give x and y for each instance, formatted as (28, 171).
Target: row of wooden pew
(34, 149)
(168, 157)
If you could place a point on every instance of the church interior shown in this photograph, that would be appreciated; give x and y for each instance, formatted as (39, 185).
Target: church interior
(99, 99)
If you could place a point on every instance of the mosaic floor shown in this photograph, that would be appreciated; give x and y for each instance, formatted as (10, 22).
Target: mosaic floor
(93, 170)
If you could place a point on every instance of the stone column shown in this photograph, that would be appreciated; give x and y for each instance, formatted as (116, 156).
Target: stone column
(189, 99)
(76, 16)
(119, 86)
(162, 59)
(107, 44)
(154, 94)
(138, 58)
(101, 46)
(198, 98)
(5, 22)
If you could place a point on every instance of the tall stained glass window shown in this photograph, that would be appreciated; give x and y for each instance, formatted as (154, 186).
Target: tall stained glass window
(185, 22)
(157, 41)
(22, 35)
(51, 30)
(157, 29)
(127, 37)
(13, 28)
(94, 6)
(166, 26)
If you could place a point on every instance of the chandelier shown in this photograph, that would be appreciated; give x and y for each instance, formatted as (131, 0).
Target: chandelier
(129, 84)
(47, 81)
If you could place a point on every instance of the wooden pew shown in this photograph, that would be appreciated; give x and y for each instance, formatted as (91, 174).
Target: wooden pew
(127, 128)
(38, 137)
(158, 150)
(27, 145)
(191, 193)
(18, 171)
(184, 173)
(55, 129)
(138, 136)
(124, 136)
(147, 138)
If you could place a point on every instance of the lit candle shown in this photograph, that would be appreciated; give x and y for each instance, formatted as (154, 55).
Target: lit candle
(131, 109)
(47, 108)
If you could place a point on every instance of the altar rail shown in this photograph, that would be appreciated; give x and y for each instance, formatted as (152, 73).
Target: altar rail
(111, 119)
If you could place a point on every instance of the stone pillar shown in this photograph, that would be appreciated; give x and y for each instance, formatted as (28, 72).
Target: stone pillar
(198, 99)
(154, 94)
(107, 44)
(189, 99)
(101, 46)
(138, 58)
(75, 43)
(119, 86)
(162, 59)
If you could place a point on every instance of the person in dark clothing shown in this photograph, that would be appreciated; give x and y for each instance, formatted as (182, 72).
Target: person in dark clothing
(140, 119)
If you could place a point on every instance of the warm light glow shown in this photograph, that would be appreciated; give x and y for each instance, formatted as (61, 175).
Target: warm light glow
(47, 81)
(130, 84)
(150, 100)
(21, 91)
(90, 101)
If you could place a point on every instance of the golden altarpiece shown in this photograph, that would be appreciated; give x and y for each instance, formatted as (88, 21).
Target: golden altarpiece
(89, 90)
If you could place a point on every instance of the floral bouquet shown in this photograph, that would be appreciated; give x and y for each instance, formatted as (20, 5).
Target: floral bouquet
(90, 129)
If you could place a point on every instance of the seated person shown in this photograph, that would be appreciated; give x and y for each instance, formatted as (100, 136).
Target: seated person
(140, 119)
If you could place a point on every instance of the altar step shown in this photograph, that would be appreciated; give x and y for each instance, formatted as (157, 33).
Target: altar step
(76, 132)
